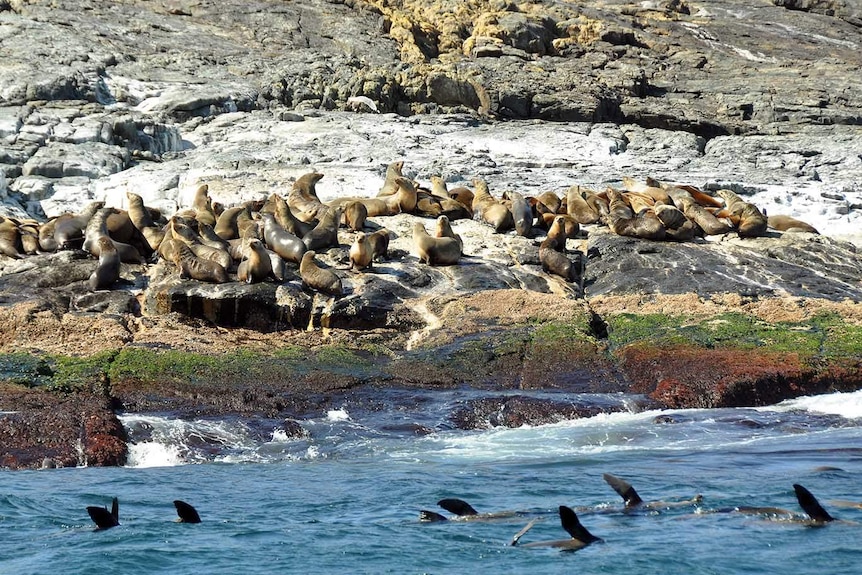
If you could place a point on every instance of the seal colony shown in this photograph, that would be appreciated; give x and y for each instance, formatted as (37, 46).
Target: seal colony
(278, 239)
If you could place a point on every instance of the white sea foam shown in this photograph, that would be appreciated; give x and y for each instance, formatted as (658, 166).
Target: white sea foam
(153, 454)
(338, 415)
(847, 405)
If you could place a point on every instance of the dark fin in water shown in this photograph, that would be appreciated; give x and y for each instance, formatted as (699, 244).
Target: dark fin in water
(103, 518)
(573, 526)
(457, 506)
(810, 505)
(624, 489)
(519, 534)
(430, 516)
(187, 513)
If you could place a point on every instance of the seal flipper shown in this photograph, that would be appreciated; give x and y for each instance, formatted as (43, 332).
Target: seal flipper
(624, 489)
(810, 505)
(430, 516)
(573, 526)
(457, 506)
(103, 518)
(186, 512)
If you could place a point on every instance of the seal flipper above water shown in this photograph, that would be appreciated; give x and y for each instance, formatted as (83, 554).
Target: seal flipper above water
(624, 489)
(457, 506)
(431, 516)
(810, 505)
(186, 512)
(103, 518)
(573, 526)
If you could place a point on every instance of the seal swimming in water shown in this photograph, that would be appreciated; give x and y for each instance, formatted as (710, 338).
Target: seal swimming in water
(317, 278)
(463, 511)
(580, 536)
(103, 518)
(435, 251)
(186, 513)
(633, 501)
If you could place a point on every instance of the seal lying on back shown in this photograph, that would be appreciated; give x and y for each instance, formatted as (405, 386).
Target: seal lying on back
(103, 518)
(580, 537)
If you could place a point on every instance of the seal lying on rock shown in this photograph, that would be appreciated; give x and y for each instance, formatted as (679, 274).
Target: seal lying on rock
(784, 223)
(750, 222)
(282, 242)
(196, 268)
(317, 278)
(488, 209)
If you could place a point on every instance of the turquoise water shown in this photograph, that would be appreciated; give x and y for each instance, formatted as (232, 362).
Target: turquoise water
(346, 498)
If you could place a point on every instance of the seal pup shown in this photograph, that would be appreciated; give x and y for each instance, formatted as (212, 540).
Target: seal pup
(186, 513)
(103, 518)
(108, 269)
(580, 536)
(444, 230)
(488, 209)
(256, 264)
(633, 501)
(784, 223)
(360, 253)
(435, 251)
(317, 278)
(378, 243)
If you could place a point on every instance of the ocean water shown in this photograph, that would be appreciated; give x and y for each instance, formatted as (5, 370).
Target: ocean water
(346, 497)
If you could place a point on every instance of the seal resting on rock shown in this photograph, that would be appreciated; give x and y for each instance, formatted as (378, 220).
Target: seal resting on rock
(196, 268)
(488, 209)
(317, 278)
(784, 223)
(750, 221)
(378, 243)
(435, 251)
(282, 242)
(360, 253)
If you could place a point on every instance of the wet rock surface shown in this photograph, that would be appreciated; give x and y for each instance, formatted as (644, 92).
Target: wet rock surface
(156, 98)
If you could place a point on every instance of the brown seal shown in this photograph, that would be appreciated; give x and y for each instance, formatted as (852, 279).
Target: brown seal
(551, 200)
(678, 227)
(277, 206)
(784, 223)
(750, 221)
(444, 230)
(10, 240)
(69, 228)
(378, 242)
(317, 278)
(203, 207)
(97, 227)
(554, 261)
(522, 213)
(226, 224)
(403, 200)
(489, 210)
(449, 206)
(564, 227)
(463, 196)
(360, 253)
(285, 244)
(142, 219)
(325, 233)
(256, 265)
(355, 214)
(302, 199)
(435, 251)
(193, 267)
(578, 208)
(390, 183)
(624, 222)
(708, 223)
(28, 230)
(108, 269)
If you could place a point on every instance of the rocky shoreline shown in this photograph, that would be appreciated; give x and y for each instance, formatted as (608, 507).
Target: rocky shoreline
(159, 98)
